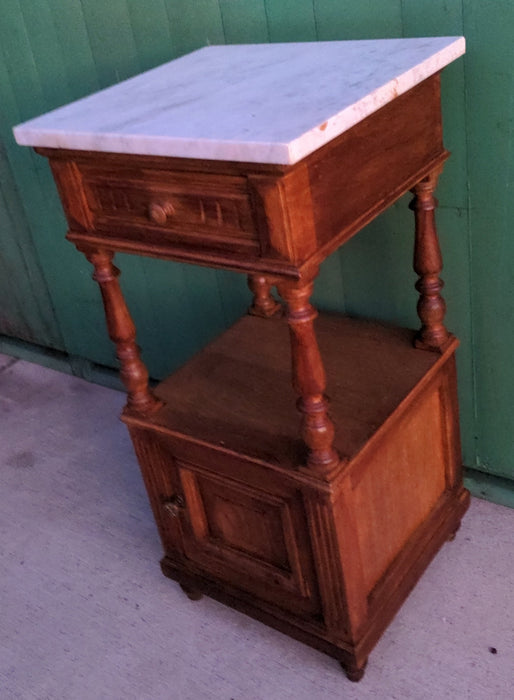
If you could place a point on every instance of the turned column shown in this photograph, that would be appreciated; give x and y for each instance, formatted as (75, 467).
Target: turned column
(428, 264)
(123, 333)
(317, 430)
(263, 304)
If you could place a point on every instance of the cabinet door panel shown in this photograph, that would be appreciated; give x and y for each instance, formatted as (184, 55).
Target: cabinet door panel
(251, 538)
(232, 520)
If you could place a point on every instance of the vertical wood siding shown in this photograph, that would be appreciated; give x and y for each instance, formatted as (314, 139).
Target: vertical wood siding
(54, 51)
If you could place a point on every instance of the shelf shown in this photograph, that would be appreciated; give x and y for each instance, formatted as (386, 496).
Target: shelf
(237, 393)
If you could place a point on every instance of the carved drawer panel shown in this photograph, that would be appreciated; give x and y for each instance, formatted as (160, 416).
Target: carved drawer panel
(162, 207)
(251, 538)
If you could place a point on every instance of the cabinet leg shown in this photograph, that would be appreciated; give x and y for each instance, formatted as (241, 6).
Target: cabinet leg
(353, 672)
(454, 532)
(309, 380)
(428, 264)
(263, 304)
(123, 333)
(192, 593)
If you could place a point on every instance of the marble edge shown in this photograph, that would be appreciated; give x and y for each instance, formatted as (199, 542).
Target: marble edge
(247, 152)
(349, 117)
(27, 135)
(24, 127)
(250, 152)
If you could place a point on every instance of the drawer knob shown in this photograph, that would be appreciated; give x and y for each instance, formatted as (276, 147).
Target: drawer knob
(174, 505)
(158, 212)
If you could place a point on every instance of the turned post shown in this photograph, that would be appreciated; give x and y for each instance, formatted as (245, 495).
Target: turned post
(428, 263)
(309, 381)
(263, 304)
(123, 334)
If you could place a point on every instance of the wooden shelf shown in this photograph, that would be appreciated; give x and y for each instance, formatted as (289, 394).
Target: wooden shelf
(236, 393)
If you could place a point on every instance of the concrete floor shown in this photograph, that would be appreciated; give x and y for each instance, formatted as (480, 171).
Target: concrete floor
(87, 615)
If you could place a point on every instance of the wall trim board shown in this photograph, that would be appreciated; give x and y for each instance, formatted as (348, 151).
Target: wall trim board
(59, 361)
(497, 489)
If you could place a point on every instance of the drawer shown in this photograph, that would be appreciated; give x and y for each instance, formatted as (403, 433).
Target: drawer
(170, 209)
(241, 218)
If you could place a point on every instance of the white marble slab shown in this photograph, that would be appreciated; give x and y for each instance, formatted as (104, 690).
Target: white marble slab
(268, 103)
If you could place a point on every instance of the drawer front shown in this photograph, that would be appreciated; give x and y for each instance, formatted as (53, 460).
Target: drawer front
(196, 210)
(241, 219)
(164, 209)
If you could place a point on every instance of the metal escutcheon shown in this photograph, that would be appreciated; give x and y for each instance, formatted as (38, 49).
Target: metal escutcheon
(174, 505)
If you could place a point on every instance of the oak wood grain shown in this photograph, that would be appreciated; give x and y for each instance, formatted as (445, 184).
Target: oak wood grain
(317, 524)
(279, 220)
(329, 560)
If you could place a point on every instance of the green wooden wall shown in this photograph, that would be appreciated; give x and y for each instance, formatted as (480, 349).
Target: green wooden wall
(54, 51)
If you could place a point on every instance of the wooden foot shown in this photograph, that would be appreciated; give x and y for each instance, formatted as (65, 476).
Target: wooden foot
(453, 534)
(264, 304)
(353, 672)
(192, 593)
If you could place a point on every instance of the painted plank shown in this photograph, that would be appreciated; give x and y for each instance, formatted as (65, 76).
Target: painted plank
(366, 19)
(49, 61)
(204, 296)
(23, 96)
(445, 19)
(13, 320)
(377, 268)
(235, 295)
(490, 108)
(73, 39)
(244, 22)
(290, 20)
(151, 31)
(442, 17)
(193, 25)
(328, 292)
(20, 67)
(111, 39)
(491, 488)
(185, 310)
(26, 310)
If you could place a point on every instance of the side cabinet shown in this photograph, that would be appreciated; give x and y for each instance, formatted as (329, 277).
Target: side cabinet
(317, 521)
(328, 561)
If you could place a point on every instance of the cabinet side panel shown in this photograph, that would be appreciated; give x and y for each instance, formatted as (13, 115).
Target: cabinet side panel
(402, 481)
(371, 165)
(159, 476)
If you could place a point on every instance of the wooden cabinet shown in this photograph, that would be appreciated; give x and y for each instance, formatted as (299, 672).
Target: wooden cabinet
(316, 519)
(328, 560)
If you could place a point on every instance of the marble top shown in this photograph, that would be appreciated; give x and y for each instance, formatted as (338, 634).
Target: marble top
(267, 103)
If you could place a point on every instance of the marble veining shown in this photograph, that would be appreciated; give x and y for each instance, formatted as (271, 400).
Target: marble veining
(268, 103)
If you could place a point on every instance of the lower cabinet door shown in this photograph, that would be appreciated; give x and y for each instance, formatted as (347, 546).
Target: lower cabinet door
(254, 538)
